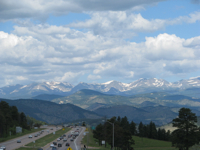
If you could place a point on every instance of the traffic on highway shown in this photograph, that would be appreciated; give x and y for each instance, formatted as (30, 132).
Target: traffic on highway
(70, 140)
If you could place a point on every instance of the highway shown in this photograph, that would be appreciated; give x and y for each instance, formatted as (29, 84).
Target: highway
(12, 144)
(74, 145)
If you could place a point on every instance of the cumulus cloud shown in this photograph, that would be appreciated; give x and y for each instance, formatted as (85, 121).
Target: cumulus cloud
(41, 9)
(43, 52)
(123, 24)
(93, 77)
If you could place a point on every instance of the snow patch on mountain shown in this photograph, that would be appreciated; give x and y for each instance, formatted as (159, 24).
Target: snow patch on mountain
(112, 87)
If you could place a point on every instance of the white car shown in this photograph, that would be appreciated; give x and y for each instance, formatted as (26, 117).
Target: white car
(58, 139)
(3, 147)
(30, 136)
(52, 145)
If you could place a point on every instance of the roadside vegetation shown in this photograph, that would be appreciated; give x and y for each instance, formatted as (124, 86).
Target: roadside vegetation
(129, 137)
(140, 143)
(10, 118)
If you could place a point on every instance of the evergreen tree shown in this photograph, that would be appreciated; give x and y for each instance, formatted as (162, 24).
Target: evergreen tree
(2, 124)
(133, 128)
(23, 120)
(152, 130)
(141, 129)
(146, 131)
(125, 123)
(187, 133)
(98, 133)
(15, 115)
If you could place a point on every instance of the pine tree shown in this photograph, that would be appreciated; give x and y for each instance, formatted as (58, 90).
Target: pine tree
(98, 133)
(141, 129)
(133, 128)
(187, 133)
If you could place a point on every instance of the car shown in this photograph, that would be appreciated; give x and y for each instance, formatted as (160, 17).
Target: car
(30, 136)
(65, 139)
(67, 144)
(59, 145)
(51, 128)
(39, 149)
(55, 143)
(3, 147)
(64, 135)
(36, 135)
(69, 136)
(58, 139)
(18, 141)
(54, 148)
(71, 139)
(61, 138)
(52, 145)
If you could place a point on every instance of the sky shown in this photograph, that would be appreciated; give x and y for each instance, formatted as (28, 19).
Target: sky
(96, 41)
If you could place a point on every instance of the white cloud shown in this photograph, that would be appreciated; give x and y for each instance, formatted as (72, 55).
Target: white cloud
(43, 52)
(21, 78)
(167, 47)
(93, 77)
(193, 42)
(123, 24)
(40, 9)
(119, 24)
(70, 76)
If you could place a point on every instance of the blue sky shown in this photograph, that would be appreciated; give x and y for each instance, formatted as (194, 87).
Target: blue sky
(95, 41)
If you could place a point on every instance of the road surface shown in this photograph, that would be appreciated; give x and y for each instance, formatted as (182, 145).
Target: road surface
(74, 145)
(12, 144)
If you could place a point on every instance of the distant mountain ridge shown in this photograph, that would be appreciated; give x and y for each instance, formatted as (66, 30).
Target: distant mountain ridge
(89, 99)
(50, 112)
(188, 86)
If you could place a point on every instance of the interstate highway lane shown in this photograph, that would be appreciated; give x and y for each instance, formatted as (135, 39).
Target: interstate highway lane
(75, 145)
(12, 144)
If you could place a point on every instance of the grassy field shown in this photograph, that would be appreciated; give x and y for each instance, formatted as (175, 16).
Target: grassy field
(151, 144)
(20, 134)
(45, 140)
(140, 143)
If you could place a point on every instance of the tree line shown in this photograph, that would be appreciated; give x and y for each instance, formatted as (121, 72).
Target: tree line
(10, 118)
(150, 131)
(123, 132)
(185, 136)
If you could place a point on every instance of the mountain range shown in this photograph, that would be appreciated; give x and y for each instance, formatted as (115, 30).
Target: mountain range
(189, 87)
(50, 112)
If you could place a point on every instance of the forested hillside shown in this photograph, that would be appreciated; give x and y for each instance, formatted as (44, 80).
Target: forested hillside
(10, 117)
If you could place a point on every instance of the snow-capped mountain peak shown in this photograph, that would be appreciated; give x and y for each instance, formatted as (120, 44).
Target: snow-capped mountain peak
(141, 85)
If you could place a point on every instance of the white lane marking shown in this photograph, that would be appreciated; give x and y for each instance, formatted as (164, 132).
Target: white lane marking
(76, 139)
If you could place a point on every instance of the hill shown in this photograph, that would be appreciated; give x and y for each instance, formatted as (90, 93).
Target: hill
(50, 112)
(85, 98)
(160, 115)
(47, 97)
(90, 99)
